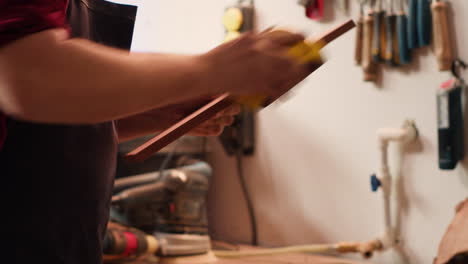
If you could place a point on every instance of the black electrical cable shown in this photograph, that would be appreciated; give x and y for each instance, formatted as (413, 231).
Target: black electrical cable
(245, 191)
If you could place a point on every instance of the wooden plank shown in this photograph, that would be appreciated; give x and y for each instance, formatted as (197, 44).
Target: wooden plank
(179, 129)
(288, 259)
(337, 32)
(208, 111)
(275, 259)
(284, 259)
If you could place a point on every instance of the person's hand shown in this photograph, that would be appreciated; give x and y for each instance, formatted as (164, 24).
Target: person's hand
(159, 119)
(213, 127)
(257, 64)
(216, 125)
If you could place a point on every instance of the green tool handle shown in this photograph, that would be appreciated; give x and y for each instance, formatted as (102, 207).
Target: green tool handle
(424, 23)
(402, 32)
(412, 24)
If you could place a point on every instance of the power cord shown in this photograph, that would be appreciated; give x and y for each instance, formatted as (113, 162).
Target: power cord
(168, 158)
(245, 191)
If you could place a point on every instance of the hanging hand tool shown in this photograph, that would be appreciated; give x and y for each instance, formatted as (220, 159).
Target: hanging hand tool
(304, 3)
(368, 64)
(379, 36)
(315, 9)
(342, 5)
(424, 22)
(412, 24)
(402, 37)
(209, 110)
(450, 119)
(359, 33)
(442, 39)
(392, 56)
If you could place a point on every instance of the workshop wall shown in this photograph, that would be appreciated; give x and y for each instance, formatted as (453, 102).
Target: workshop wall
(309, 178)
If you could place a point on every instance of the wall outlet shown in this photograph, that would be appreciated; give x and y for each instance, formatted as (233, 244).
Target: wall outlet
(241, 135)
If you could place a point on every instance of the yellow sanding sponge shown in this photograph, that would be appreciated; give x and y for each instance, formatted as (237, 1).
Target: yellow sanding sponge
(304, 52)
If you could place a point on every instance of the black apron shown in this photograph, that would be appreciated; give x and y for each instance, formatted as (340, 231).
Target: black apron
(57, 179)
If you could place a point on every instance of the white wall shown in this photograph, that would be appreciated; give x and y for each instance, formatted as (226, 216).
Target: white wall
(310, 176)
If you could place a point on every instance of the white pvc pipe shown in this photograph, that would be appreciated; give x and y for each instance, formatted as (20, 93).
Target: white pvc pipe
(401, 136)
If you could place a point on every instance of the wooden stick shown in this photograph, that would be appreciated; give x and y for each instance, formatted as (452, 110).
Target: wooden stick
(207, 112)
(336, 32)
(358, 47)
(179, 129)
(442, 42)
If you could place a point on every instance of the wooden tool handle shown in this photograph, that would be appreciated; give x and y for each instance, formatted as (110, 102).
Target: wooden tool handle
(358, 48)
(368, 65)
(442, 40)
(207, 111)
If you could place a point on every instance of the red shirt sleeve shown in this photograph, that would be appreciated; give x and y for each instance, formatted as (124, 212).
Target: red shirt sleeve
(19, 18)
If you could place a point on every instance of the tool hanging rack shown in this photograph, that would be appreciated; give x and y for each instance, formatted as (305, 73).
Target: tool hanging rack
(389, 31)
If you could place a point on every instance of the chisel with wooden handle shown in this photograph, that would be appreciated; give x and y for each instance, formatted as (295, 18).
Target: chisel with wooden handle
(209, 110)
(368, 65)
(442, 41)
(359, 25)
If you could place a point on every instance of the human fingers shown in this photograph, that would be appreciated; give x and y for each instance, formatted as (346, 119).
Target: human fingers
(233, 110)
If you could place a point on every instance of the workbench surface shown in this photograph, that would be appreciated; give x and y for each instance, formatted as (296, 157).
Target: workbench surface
(288, 259)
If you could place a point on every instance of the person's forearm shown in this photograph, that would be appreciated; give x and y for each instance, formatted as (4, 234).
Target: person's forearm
(49, 78)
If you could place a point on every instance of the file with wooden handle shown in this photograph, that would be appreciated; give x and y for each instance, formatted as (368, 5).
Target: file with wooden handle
(209, 110)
